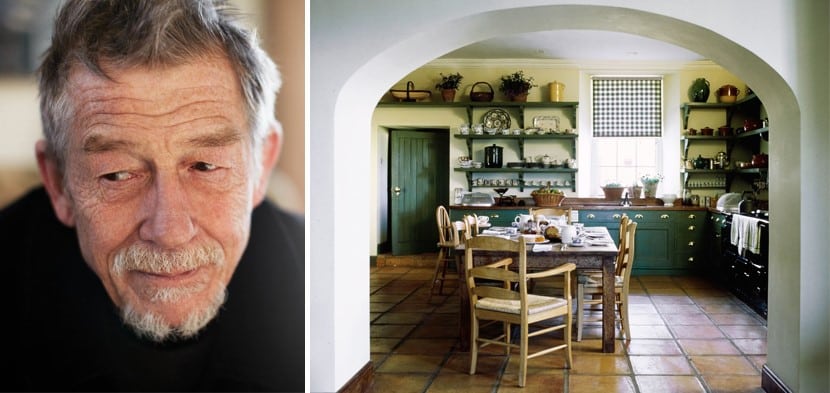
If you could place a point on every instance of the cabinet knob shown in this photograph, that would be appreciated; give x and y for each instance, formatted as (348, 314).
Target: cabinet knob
(617, 216)
(691, 259)
(691, 244)
(664, 216)
(638, 216)
(691, 216)
(691, 227)
(591, 216)
(494, 216)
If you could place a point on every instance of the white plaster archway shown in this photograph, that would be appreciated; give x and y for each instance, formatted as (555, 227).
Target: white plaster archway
(356, 101)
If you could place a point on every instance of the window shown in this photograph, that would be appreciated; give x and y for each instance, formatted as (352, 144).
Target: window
(627, 119)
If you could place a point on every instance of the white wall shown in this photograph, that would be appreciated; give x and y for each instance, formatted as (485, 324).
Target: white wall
(360, 48)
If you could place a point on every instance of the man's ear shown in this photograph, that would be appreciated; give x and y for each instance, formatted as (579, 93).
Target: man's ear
(53, 181)
(270, 154)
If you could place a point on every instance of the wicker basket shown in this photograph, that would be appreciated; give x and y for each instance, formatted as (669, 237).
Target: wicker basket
(547, 199)
(481, 96)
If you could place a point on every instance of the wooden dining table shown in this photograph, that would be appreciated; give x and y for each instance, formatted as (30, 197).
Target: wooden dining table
(587, 256)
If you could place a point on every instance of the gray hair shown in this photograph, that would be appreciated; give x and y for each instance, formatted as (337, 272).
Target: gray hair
(151, 33)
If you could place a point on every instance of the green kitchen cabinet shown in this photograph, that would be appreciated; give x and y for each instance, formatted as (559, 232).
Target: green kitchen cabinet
(690, 240)
(498, 217)
(667, 242)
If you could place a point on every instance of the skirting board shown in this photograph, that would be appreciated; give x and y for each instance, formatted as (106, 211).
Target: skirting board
(771, 383)
(360, 382)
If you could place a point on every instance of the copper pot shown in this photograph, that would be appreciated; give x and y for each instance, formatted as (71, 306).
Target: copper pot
(760, 160)
(752, 124)
(728, 90)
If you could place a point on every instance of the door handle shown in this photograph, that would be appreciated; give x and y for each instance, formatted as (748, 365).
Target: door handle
(397, 190)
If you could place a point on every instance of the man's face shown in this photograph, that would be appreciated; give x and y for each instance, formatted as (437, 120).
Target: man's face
(160, 183)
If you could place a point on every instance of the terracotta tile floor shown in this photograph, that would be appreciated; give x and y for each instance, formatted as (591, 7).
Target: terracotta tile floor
(688, 336)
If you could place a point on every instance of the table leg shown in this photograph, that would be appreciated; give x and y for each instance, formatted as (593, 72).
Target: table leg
(464, 305)
(608, 306)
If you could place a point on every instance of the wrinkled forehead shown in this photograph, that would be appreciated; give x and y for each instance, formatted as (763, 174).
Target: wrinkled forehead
(155, 92)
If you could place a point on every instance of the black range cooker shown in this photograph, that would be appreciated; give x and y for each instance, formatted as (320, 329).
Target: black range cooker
(746, 273)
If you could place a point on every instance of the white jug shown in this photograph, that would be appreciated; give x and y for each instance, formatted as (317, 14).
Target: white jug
(567, 233)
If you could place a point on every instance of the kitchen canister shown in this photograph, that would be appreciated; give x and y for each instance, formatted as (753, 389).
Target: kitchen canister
(493, 156)
(557, 91)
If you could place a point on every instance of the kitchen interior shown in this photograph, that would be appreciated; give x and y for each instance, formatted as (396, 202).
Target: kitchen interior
(711, 158)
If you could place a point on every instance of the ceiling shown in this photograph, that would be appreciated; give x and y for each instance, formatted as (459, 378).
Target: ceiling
(585, 45)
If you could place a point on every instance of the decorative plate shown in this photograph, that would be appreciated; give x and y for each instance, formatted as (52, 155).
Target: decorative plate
(496, 118)
(547, 123)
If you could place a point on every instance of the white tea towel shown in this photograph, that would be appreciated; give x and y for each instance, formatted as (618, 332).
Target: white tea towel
(746, 234)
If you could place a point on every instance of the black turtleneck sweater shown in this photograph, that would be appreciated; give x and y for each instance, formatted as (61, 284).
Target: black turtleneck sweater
(63, 333)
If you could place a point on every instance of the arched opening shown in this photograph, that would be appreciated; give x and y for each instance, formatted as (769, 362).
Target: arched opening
(356, 102)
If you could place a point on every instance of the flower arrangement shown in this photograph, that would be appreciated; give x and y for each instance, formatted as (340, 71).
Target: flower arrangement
(516, 83)
(451, 81)
(648, 179)
(650, 183)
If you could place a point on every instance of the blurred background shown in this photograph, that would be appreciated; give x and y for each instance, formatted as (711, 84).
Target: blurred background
(25, 30)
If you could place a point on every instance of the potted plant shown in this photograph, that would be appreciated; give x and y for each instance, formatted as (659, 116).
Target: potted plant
(516, 85)
(449, 85)
(613, 191)
(650, 183)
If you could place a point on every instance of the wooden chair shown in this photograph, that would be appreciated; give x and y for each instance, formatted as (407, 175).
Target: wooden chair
(551, 212)
(511, 304)
(470, 226)
(447, 242)
(592, 285)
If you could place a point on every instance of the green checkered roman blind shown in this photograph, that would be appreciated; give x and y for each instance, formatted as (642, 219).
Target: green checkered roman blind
(627, 106)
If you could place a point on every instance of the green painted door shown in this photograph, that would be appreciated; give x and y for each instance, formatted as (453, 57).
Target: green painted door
(418, 179)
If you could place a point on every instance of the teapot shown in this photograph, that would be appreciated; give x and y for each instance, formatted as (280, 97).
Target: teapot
(570, 162)
(545, 159)
(701, 163)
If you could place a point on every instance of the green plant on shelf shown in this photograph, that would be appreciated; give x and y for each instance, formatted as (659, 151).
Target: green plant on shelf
(451, 81)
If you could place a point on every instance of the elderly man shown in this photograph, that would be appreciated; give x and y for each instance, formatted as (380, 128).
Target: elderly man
(150, 260)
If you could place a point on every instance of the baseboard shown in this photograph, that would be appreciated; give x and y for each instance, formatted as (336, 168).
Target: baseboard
(360, 382)
(771, 383)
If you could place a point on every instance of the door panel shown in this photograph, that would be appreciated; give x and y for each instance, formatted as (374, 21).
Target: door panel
(419, 177)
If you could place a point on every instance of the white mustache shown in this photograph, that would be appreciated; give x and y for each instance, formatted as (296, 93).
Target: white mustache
(147, 259)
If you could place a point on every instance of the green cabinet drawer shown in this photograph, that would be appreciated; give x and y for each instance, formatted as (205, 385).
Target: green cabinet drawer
(600, 216)
(651, 216)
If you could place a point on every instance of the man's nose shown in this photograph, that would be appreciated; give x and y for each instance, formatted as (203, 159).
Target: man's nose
(168, 222)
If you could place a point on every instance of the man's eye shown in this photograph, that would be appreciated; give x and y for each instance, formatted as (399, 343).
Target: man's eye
(116, 176)
(204, 167)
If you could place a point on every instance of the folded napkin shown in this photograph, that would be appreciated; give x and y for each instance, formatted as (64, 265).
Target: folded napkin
(746, 234)
(493, 232)
(542, 247)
